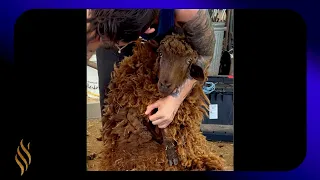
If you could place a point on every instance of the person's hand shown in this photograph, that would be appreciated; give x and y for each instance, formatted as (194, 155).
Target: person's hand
(167, 109)
(90, 34)
(88, 16)
(93, 44)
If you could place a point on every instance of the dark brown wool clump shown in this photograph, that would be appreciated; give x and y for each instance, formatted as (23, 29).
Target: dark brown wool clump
(128, 144)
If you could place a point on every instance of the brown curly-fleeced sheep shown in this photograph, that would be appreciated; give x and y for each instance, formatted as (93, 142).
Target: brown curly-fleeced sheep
(133, 143)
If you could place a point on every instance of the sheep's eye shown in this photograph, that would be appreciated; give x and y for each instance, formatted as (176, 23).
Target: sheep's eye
(160, 54)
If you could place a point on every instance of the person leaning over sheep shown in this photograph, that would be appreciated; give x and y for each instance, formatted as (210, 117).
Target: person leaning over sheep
(112, 32)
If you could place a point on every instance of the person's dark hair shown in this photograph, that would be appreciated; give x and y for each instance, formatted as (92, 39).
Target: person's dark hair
(120, 24)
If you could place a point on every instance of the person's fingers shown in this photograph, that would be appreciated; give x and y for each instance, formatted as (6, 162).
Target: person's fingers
(160, 121)
(88, 16)
(155, 117)
(151, 107)
(150, 30)
(163, 125)
(88, 13)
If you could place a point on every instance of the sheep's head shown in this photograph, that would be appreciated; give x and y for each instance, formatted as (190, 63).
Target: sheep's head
(175, 63)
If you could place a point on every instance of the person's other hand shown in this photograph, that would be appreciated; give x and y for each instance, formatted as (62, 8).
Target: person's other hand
(90, 34)
(94, 44)
(167, 109)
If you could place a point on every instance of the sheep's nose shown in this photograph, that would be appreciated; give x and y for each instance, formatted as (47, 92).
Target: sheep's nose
(165, 85)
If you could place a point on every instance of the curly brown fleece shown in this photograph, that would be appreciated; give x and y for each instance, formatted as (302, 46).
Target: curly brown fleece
(128, 145)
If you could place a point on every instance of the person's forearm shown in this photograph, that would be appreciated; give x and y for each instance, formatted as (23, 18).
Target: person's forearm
(182, 92)
(199, 33)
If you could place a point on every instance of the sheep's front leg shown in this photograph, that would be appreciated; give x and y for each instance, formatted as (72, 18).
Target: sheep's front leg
(170, 149)
(168, 143)
(156, 136)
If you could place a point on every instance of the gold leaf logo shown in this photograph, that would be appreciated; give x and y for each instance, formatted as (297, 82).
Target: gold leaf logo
(26, 163)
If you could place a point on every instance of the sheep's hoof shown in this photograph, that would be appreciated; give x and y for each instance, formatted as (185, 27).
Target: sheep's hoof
(174, 161)
(171, 154)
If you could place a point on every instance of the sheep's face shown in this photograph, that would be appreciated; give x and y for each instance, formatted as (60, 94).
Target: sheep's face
(176, 62)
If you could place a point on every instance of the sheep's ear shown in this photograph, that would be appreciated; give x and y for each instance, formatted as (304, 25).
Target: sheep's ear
(196, 72)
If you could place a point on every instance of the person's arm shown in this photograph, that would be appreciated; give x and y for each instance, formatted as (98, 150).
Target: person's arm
(198, 29)
(93, 41)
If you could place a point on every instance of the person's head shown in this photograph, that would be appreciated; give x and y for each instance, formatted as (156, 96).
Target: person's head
(119, 25)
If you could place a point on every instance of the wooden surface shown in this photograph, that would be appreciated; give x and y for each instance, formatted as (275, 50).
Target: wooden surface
(217, 128)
